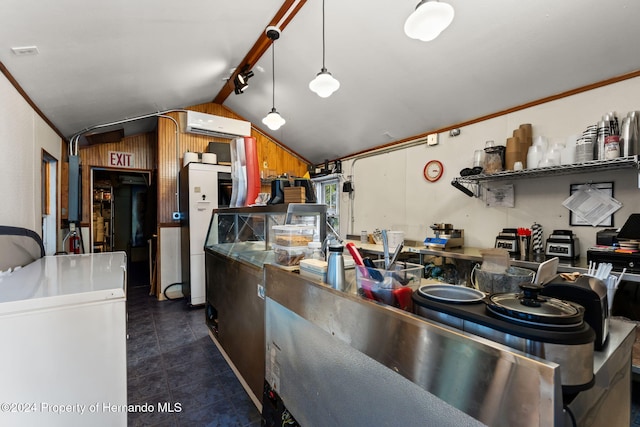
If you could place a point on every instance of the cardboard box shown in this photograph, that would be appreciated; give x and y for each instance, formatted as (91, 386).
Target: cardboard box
(294, 195)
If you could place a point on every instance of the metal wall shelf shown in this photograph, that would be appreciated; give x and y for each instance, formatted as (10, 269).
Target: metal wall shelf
(576, 168)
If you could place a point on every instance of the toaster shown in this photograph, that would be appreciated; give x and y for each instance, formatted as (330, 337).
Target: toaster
(590, 293)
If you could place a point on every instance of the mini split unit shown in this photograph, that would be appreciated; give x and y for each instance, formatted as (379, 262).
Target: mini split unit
(217, 126)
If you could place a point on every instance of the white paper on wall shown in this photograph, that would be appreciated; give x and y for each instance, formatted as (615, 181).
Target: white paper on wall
(591, 204)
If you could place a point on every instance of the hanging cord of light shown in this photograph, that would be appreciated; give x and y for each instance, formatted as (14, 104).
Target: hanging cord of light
(324, 83)
(273, 120)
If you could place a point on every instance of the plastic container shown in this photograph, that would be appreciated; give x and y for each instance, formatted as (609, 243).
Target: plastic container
(315, 251)
(506, 282)
(393, 287)
(293, 235)
(612, 147)
(289, 255)
(314, 269)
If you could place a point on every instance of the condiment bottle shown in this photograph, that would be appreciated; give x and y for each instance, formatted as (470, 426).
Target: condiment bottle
(335, 267)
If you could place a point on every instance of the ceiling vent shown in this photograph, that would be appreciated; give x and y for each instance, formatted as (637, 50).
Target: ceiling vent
(217, 126)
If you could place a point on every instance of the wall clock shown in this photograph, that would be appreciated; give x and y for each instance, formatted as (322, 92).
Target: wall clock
(433, 170)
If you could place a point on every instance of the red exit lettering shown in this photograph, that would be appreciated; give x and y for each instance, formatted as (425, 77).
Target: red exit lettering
(120, 159)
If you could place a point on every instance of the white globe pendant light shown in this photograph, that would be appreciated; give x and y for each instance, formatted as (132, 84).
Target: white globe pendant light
(273, 120)
(430, 18)
(324, 84)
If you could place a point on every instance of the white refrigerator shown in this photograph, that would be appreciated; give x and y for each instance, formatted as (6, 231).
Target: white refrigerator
(199, 196)
(63, 360)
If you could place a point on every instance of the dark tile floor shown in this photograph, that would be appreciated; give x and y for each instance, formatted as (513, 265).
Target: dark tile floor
(172, 361)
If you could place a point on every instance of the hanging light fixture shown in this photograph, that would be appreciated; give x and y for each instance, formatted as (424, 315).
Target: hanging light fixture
(324, 84)
(430, 18)
(273, 120)
(241, 81)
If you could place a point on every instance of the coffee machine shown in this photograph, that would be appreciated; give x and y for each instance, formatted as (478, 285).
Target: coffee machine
(563, 244)
(508, 239)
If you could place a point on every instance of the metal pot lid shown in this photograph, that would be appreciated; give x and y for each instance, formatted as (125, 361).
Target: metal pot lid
(529, 307)
(451, 293)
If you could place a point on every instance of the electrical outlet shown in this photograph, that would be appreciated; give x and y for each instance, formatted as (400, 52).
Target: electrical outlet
(265, 165)
(432, 139)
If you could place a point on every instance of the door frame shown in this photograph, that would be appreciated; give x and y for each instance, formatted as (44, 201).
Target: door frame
(49, 202)
(93, 169)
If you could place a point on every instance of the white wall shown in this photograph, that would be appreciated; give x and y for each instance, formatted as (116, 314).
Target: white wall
(170, 263)
(23, 136)
(390, 191)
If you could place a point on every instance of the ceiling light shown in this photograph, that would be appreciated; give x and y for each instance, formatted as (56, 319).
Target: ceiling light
(324, 84)
(273, 120)
(25, 50)
(428, 20)
(241, 80)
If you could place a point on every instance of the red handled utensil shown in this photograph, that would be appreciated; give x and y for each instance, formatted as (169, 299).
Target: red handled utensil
(403, 297)
(355, 253)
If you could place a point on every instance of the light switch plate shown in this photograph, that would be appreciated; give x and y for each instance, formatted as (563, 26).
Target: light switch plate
(432, 139)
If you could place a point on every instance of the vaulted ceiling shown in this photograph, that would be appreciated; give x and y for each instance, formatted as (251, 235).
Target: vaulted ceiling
(102, 62)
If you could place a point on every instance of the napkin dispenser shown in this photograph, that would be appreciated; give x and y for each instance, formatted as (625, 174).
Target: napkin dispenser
(590, 293)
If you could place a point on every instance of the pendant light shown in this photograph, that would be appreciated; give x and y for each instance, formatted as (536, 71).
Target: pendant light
(430, 18)
(324, 84)
(273, 120)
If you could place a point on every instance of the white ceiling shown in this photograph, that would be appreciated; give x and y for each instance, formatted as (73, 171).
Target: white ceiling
(101, 62)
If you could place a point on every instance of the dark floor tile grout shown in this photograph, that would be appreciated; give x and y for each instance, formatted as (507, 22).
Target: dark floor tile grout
(171, 360)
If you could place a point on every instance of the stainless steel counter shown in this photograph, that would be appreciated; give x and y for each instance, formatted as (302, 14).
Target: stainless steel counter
(473, 254)
(338, 359)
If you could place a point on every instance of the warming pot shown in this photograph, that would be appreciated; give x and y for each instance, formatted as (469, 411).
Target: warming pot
(545, 327)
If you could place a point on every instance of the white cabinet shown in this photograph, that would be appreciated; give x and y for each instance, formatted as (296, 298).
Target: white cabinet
(63, 329)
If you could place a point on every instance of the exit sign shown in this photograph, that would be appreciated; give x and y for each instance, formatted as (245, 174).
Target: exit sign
(120, 159)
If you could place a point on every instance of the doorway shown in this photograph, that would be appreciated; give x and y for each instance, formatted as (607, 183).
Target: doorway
(124, 218)
(49, 202)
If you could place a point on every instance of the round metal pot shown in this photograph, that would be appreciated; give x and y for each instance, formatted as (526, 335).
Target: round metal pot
(566, 338)
(451, 293)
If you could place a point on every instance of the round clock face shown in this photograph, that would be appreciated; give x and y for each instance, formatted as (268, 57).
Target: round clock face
(433, 170)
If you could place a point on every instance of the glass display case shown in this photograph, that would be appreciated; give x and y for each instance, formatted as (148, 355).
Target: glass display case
(246, 233)
(238, 245)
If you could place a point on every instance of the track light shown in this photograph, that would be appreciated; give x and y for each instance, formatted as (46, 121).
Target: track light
(241, 80)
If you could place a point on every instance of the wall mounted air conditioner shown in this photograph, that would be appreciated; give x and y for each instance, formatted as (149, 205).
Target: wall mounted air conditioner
(210, 125)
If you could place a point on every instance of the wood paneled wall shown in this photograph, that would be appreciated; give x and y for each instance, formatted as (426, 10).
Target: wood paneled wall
(278, 159)
(143, 148)
(157, 152)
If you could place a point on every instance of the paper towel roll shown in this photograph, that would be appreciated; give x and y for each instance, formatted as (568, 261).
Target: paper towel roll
(210, 158)
(189, 157)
